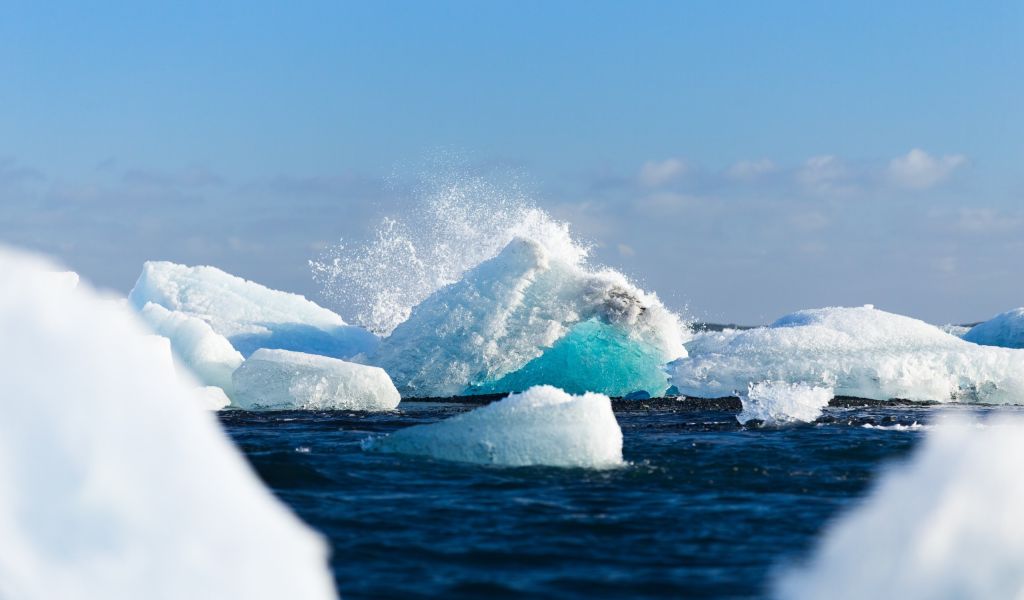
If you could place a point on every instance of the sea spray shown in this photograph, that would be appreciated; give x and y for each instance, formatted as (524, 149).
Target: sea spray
(479, 284)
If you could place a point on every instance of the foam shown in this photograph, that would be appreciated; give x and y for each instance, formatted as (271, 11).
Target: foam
(281, 379)
(541, 426)
(113, 482)
(250, 315)
(860, 352)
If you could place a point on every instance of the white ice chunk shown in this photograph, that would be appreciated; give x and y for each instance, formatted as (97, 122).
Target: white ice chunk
(957, 330)
(781, 403)
(541, 426)
(114, 483)
(207, 354)
(860, 352)
(1006, 330)
(212, 397)
(250, 315)
(280, 379)
(529, 316)
(947, 524)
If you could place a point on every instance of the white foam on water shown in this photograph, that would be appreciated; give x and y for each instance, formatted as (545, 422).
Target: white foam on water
(114, 483)
(945, 524)
(541, 426)
(860, 352)
(248, 314)
(781, 403)
(1005, 329)
(281, 379)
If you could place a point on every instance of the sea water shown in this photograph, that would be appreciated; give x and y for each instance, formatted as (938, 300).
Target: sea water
(705, 508)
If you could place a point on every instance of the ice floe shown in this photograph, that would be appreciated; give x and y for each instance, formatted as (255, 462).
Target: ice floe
(541, 426)
(1005, 329)
(529, 316)
(281, 379)
(781, 403)
(248, 314)
(113, 482)
(862, 352)
(207, 354)
(946, 524)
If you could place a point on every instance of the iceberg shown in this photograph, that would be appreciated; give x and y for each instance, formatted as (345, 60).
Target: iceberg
(781, 403)
(281, 379)
(113, 482)
(207, 354)
(860, 352)
(541, 426)
(248, 314)
(946, 524)
(1005, 329)
(530, 316)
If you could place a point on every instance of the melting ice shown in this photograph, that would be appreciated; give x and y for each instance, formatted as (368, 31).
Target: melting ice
(541, 426)
(860, 352)
(1006, 330)
(780, 403)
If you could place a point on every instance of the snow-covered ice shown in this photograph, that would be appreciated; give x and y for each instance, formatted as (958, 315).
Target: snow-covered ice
(248, 314)
(860, 352)
(1005, 329)
(531, 316)
(114, 483)
(947, 524)
(211, 397)
(780, 403)
(281, 379)
(541, 426)
(207, 354)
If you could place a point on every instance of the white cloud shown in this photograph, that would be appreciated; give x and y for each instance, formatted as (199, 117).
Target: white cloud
(751, 169)
(919, 170)
(824, 175)
(655, 173)
(626, 250)
(666, 203)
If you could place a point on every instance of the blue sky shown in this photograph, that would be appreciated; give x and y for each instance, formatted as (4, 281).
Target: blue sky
(742, 159)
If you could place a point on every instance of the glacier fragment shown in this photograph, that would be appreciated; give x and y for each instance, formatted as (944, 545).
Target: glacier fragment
(526, 317)
(860, 352)
(781, 403)
(114, 483)
(281, 379)
(1005, 329)
(248, 314)
(541, 426)
(207, 354)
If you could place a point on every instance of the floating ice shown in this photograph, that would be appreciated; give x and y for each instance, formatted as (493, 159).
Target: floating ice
(529, 317)
(212, 397)
(780, 403)
(281, 379)
(250, 315)
(113, 482)
(541, 426)
(957, 330)
(207, 354)
(1006, 330)
(859, 352)
(945, 525)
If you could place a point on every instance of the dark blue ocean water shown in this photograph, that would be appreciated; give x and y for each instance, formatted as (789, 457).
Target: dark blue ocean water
(706, 509)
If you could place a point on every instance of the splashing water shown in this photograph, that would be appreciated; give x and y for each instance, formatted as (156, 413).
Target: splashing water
(460, 222)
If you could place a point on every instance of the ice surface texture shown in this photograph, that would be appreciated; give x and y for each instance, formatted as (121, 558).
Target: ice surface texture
(541, 426)
(1006, 330)
(250, 315)
(113, 482)
(529, 316)
(945, 525)
(207, 354)
(860, 352)
(280, 379)
(780, 403)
